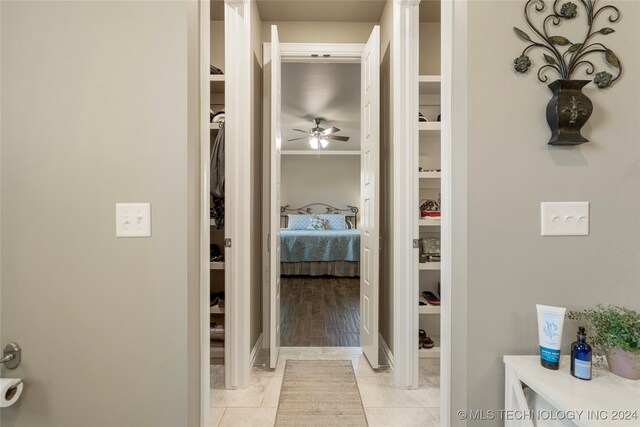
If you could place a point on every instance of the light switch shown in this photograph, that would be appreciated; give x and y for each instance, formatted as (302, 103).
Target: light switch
(133, 219)
(564, 218)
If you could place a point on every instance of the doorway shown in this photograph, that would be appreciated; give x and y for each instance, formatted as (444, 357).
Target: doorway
(355, 227)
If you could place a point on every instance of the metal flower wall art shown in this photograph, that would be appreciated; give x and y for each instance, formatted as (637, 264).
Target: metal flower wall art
(569, 108)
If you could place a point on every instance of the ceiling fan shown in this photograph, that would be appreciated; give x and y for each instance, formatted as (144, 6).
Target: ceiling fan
(320, 137)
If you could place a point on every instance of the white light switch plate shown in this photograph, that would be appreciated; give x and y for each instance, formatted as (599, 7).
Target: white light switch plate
(133, 219)
(564, 218)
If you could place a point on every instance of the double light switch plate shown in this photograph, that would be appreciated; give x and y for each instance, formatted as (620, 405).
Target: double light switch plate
(564, 218)
(133, 219)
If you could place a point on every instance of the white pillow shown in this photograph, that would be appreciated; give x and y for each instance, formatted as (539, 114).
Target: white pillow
(335, 221)
(298, 222)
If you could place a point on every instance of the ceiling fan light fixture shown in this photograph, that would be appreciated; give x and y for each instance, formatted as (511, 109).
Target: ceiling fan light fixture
(313, 142)
(324, 142)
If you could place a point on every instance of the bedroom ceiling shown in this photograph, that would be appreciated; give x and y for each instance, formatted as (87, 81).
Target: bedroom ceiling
(330, 91)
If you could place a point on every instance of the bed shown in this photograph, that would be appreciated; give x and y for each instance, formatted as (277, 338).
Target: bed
(333, 251)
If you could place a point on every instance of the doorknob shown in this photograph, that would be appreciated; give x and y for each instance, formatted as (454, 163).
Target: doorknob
(11, 356)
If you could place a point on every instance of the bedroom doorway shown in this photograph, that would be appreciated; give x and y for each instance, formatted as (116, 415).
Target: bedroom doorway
(323, 196)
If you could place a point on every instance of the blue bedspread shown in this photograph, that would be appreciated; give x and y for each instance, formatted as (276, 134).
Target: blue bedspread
(324, 245)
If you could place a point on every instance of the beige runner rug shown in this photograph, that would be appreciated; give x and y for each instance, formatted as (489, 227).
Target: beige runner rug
(320, 393)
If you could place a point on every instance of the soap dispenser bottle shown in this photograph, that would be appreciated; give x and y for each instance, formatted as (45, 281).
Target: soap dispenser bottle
(581, 357)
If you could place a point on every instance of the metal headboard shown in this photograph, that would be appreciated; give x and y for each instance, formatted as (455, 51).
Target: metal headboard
(350, 212)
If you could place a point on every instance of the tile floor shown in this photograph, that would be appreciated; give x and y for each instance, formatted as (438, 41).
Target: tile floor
(384, 405)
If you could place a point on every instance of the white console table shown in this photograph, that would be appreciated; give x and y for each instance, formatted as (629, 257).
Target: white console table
(599, 402)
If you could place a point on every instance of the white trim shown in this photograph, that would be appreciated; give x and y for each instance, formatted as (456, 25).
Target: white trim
(319, 153)
(386, 352)
(404, 63)
(454, 211)
(238, 62)
(256, 350)
(205, 136)
(339, 52)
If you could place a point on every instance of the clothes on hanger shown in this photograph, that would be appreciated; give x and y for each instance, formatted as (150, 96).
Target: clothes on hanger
(217, 211)
(217, 164)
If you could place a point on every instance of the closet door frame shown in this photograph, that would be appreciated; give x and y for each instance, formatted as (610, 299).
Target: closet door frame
(453, 349)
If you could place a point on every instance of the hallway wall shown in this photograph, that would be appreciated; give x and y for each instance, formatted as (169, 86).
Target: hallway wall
(94, 112)
(511, 170)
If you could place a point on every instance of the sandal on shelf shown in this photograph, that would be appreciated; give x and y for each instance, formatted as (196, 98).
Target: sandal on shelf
(428, 343)
(422, 337)
(431, 298)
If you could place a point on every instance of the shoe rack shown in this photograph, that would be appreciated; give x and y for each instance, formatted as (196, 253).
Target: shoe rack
(429, 174)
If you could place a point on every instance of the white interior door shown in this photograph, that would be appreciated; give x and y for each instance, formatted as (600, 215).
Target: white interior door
(274, 211)
(369, 190)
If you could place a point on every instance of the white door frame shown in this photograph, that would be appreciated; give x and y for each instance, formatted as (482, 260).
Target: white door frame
(289, 52)
(238, 63)
(454, 206)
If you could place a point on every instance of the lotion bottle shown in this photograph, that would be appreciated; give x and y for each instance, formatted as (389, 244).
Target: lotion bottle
(581, 356)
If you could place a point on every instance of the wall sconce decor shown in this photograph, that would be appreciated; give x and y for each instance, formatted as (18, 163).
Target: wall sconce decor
(569, 108)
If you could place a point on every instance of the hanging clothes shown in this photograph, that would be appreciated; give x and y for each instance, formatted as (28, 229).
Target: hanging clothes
(217, 211)
(217, 164)
(217, 178)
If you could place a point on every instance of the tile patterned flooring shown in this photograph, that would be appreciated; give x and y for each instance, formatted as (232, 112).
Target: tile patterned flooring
(384, 405)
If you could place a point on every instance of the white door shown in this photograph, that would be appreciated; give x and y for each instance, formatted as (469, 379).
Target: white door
(274, 211)
(369, 190)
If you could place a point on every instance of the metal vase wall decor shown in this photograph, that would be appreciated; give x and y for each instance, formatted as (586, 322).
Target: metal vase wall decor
(569, 108)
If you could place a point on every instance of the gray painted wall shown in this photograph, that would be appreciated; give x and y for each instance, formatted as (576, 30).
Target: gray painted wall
(511, 170)
(94, 112)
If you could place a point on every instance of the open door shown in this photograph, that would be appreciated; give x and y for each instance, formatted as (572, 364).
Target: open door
(369, 190)
(274, 209)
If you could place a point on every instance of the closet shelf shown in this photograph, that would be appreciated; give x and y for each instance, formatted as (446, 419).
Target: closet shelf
(216, 349)
(216, 265)
(429, 266)
(216, 310)
(434, 352)
(429, 175)
(217, 83)
(429, 309)
(429, 222)
(214, 126)
(430, 127)
(429, 84)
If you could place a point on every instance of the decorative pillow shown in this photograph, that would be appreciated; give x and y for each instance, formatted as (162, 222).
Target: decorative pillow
(317, 223)
(298, 222)
(334, 221)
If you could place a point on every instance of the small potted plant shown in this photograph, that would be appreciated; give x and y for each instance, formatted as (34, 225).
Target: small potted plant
(615, 332)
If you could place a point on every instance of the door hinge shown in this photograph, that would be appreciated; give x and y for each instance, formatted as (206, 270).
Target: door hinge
(227, 242)
(416, 243)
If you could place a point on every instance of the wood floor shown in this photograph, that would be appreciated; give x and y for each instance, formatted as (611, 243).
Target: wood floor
(320, 312)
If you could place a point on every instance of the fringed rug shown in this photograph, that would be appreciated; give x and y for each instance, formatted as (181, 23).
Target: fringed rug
(320, 393)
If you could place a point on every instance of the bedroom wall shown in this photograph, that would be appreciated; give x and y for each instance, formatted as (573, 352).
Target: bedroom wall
(94, 114)
(334, 180)
(386, 172)
(511, 170)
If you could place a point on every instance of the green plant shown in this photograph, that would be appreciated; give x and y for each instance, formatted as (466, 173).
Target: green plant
(611, 327)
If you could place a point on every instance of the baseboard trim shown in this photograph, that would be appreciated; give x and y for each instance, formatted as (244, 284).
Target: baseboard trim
(255, 351)
(386, 352)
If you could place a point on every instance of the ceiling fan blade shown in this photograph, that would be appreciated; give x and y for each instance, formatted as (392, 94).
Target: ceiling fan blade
(297, 139)
(331, 130)
(338, 138)
(300, 130)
